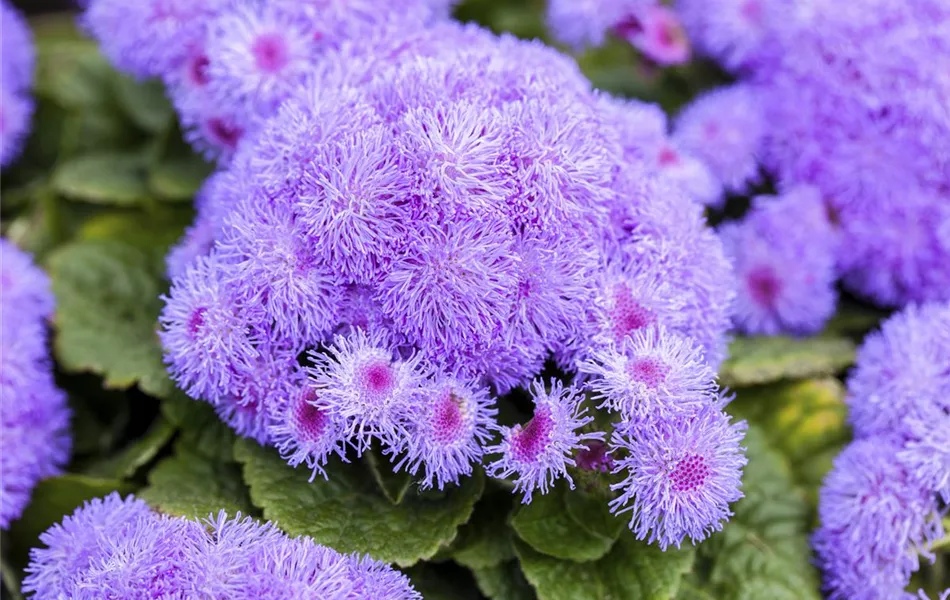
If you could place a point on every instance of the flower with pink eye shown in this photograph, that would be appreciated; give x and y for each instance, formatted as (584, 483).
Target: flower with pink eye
(657, 32)
(539, 452)
(304, 430)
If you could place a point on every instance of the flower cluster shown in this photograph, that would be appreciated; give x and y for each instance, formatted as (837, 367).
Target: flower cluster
(879, 505)
(34, 418)
(853, 99)
(784, 256)
(228, 64)
(16, 79)
(119, 548)
(647, 25)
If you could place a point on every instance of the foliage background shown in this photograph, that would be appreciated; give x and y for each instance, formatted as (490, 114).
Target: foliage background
(105, 185)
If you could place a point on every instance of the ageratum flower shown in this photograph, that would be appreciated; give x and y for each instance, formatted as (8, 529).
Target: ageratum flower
(875, 520)
(149, 38)
(16, 50)
(305, 430)
(364, 384)
(656, 31)
(34, 417)
(926, 453)
(784, 256)
(900, 375)
(120, 548)
(653, 372)
(681, 474)
(540, 451)
(740, 34)
(725, 129)
(449, 424)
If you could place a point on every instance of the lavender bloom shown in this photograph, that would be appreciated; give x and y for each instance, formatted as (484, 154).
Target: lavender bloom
(653, 372)
(784, 257)
(213, 202)
(34, 417)
(926, 453)
(656, 32)
(738, 33)
(449, 424)
(681, 474)
(16, 50)
(305, 430)
(901, 372)
(725, 129)
(122, 549)
(148, 38)
(16, 110)
(363, 384)
(208, 335)
(875, 519)
(540, 451)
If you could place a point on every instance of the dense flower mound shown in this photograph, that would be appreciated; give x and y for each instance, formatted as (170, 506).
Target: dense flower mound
(647, 25)
(119, 548)
(229, 63)
(424, 222)
(34, 418)
(855, 101)
(879, 506)
(784, 255)
(16, 79)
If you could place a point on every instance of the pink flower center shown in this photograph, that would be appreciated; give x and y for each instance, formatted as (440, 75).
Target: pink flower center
(595, 458)
(196, 320)
(529, 442)
(648, 371)
(270, 52)
(668, 157)
(309, 421)
(198, 70)
(376, 378)
(224, 133)
(752, 11)
(689, 473)
(764, 285)
(628, 314)
(448, 419)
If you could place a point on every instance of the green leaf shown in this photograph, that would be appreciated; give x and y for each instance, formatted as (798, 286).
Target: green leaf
(192, 485)
(485, 541)
(763, 551)
(435, 582)
(805, 421)
(504, 581)
(11, 580)
(349, 513)
(107, 311)
(591, 509)
(144, 103)
(72, 73)
(201, 429)
(106, 178)
(153, 231)
(137, 454)
(178, 178)
(632, 570)
(53, 499)
(546, 525)
(393, 485)
(758, 360)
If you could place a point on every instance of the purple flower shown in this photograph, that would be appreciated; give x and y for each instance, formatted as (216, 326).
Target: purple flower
(275, 265)
(26, 289)
(258, 52)
(16, 110)
(362, 383)
(901, 373)
(122, 549)
(653, 372)
(725, 129)
(148, 38)
(540, 451)
(681, 474)
(305, 430)
(737, 33)
(926, 453)
(209, 336)
(656, 31)
(16, 50)
(213, 202)
(784, 256)
(449, 424)
(875, 519)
